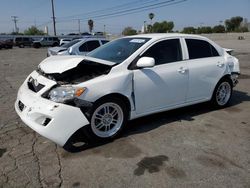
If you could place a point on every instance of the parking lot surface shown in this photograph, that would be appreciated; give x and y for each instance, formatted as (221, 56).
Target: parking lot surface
(195, 146)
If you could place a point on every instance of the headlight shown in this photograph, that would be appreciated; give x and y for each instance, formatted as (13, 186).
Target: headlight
(65, 93)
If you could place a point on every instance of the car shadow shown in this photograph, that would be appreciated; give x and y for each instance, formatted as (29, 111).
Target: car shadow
(151, 122)
(188, 113)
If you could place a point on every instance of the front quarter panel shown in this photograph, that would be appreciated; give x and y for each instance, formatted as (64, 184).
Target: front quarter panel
(119, 82)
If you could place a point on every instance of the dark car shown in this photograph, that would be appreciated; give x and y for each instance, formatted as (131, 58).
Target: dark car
(23, 41)
(46, 41)
(7, 44)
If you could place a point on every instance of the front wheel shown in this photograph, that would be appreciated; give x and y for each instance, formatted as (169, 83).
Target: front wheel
(222, 93)
(107, 120)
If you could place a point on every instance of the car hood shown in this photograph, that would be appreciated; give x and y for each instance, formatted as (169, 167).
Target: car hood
(60, 64)
(57, 49)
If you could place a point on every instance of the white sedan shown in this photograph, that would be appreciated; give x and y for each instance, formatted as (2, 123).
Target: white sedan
(122, 80)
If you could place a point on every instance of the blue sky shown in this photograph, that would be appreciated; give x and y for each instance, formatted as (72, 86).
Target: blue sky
(188, 13)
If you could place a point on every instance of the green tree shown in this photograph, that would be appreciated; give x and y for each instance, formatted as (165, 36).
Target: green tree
(91, 25)
(205, 29)
(149, 28)
(33, 30)
(233, 24)
(219, 29)
(242, 29)
(129, 31)
(189, 30)
(163, 27)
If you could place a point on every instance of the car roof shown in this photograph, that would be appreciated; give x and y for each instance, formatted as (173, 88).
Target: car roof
(92, 38)
(157, 36)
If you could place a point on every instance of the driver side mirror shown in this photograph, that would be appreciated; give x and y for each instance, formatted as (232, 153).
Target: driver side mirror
(145, 62)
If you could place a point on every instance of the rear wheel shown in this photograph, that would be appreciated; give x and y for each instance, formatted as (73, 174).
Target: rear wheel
(55, 44)
(36, 45)
(222, 93)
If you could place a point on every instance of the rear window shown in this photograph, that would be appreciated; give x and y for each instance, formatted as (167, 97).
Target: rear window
(200, 49)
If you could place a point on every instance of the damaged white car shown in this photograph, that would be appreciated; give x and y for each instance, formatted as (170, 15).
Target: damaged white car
(124, 79)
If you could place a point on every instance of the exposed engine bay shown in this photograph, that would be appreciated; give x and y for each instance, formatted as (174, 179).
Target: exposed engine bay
(86, 70)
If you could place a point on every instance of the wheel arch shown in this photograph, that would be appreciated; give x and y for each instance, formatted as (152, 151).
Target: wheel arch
(225, 77)
(124, 98)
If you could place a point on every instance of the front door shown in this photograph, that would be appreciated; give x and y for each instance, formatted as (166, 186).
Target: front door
(164, 85)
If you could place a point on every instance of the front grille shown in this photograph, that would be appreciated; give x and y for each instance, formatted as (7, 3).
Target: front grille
(33, 85)
(21, 106)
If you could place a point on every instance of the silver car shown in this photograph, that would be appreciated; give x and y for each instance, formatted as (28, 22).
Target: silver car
(77, 47)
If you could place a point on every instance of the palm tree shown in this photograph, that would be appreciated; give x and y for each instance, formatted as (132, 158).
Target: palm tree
(151, 16)
(91, 25)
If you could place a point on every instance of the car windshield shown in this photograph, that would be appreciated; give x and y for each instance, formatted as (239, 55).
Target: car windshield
(71, 43)
(118, 50)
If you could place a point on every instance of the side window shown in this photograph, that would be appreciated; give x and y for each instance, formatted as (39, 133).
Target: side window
(214, 51)
(93, 45)
(200, 49)
(89, 46)
(104, 41)
(83, 47)
(165, 51)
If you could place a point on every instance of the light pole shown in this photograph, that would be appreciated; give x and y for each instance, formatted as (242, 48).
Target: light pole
(53, 16)
(14, 18)
(79, 26)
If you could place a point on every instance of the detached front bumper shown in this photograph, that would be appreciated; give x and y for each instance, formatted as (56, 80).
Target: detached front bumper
(54, 121)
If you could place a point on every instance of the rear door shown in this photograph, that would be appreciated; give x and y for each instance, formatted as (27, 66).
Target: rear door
(206, 67)
(164, 85)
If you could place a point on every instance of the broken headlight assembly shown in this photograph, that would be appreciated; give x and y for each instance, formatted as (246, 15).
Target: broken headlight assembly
(63, 94)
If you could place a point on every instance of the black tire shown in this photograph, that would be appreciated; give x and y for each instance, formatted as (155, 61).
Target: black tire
(226, 82)
(88, 132)
(55, 44)
(36, 45)
(21, 46)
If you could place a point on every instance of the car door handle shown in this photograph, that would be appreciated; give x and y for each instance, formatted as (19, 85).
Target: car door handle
(182, 70)
(220, 64)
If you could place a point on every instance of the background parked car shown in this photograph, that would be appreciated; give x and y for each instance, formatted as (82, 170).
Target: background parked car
(77, 46)
(7, 44)
(64, 41)
(57, 49)
(84, 46)
(23, 41)
(46, 41)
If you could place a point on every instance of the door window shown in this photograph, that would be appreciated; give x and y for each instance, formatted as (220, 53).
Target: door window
(104, 41)
(165, 51)
(200, 49)
(89, 46)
